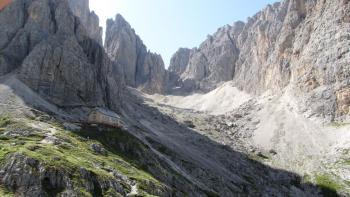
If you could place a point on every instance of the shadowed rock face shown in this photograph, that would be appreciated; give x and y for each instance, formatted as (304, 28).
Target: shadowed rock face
(142, 68)
(54, 46)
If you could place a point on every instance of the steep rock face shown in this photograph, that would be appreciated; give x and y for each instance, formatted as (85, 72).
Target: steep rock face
(178, 65)
(21, 173)
(89, 20)
(49, 47)
(141, 68)
(179, 61)
(12, 19)
(303, 43)
(213, 61)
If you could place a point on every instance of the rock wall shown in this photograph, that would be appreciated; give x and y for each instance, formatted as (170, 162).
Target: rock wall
(179, 61)
(48, 45)
(299, 43)
(303, 43)
(142, 69)
(89, 20)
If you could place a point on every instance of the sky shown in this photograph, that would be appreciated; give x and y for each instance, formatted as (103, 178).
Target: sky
(166, 25)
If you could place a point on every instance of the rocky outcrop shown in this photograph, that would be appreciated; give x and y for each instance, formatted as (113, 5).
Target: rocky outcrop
(343, 101)
(142, 69)
(302, 43)
(54, 47)
(30, 177)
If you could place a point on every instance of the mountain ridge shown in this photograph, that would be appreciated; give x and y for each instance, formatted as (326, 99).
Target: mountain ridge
(287, 67)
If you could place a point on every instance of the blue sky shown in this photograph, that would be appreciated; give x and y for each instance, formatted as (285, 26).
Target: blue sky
(166, 25)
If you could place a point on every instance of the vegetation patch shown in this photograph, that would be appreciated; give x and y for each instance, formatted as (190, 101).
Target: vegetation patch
(340, 124)
(72, 151)
(347, 161)
(5, 193)
(4, 121)
(328, 185)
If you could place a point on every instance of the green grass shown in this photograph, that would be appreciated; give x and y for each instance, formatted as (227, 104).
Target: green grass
(5, 193)
(347, 162)
(328, 185)
(4, 121)
(75, 153)
(340, 124)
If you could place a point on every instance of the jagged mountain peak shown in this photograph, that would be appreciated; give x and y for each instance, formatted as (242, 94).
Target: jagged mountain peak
(142, 69)
(251, 100)
(55, 48)
(268, 52)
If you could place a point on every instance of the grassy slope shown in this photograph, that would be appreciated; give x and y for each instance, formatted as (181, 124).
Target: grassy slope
(73, 153)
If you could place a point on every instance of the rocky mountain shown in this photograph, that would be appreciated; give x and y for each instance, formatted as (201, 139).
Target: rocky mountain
(142, 68)
(89, 20)
(303, 43)
(56, 51)
(179, 61)
(71, 126)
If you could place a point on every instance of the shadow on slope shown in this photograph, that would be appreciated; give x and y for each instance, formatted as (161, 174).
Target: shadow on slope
(185, 160)
(207, 164)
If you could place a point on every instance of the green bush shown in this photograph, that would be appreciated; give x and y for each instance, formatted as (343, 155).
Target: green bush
(328, 186)
(4, 121)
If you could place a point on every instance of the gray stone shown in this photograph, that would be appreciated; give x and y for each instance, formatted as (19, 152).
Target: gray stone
(179, 61)
(89, 20)
(142, 69)
(98, 149)
(298, 43)
(56, 50)
(71, 126)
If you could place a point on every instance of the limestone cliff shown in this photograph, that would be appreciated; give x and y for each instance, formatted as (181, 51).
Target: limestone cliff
(89, 20)
(54, 47)
(142, 69)
(301, 43)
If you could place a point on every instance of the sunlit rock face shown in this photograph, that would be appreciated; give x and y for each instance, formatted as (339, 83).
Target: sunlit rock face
(303, 43)
(89, 20)
(179, 61)
(142, 69)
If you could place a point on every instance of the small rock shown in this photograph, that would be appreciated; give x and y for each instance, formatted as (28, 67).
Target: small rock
(273, 152)
(262, 155)
(237, 116)
(98, 149)
(189, 124)
(56, 158)
(71, 127)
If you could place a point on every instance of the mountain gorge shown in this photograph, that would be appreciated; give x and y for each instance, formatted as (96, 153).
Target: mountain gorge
(260, 108)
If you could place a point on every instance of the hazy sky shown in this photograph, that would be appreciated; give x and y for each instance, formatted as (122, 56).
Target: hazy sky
(166, 25)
